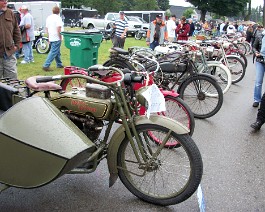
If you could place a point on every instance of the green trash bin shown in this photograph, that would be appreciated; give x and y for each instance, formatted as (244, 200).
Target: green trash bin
(83, 45)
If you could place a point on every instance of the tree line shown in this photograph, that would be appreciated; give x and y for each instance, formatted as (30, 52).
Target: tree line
(230, 8)
(105, 6)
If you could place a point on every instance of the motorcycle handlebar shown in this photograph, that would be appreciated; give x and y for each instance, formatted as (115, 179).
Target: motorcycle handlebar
(98, 69)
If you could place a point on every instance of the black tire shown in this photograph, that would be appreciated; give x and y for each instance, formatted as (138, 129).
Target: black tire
(242, 47)
(182, 168)
(202, 94)
(237, 68)
(138, 36)
(178, 110)
(43, 46)
(119, 64)
(90, 26)
(244, 59)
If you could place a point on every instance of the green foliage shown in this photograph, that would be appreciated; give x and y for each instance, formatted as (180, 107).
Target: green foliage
(105, 6)
(145, 5)
(163, 4)
(72, 3)
(188, 12)
(220, 7)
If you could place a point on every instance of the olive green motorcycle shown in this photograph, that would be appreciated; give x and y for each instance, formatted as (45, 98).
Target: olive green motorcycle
(43, 138)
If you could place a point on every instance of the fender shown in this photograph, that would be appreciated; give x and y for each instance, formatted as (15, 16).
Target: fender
(169, 93)
(198, 74)
(232, 55)
(120, 134)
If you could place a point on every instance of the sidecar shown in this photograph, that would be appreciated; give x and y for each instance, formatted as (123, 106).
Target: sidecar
(39, 144)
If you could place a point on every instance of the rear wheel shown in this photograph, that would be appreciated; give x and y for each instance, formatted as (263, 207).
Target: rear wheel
(202, 94)
(170, 177)
(221, 74)
(119, 64)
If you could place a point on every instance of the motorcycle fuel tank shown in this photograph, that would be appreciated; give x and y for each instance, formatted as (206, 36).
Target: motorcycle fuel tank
(38, 144)
(77, 102)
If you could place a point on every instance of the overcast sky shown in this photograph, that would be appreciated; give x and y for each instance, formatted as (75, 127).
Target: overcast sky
(254, 3)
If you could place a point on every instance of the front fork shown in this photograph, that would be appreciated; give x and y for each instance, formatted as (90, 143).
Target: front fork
(131, 132)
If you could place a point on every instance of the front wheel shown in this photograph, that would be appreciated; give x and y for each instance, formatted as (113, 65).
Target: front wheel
(170, 177)
(221, 74)
(236, 67)
(138, 36)
(43, 46)
(202, 94)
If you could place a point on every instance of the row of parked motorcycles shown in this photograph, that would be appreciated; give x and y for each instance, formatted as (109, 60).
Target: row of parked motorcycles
(67, 124)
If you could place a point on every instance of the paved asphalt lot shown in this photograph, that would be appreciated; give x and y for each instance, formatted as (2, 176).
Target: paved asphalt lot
(233, 180)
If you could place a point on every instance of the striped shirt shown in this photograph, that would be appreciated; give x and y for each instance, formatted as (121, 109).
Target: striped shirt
(120, 27)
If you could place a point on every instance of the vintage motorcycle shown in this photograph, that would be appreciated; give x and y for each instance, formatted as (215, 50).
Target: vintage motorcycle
(140, 34)
(41, 43)
(33, 152)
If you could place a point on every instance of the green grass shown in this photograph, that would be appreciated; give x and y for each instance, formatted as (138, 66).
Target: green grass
(33, 69)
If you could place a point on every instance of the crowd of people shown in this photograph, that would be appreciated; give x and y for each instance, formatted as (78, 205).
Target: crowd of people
(18, 31)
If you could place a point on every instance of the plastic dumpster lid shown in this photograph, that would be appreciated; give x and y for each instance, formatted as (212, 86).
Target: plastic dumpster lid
(86, 31)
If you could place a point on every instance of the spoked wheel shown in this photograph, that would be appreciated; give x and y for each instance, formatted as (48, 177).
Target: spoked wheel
(249, 47)
(221, 74)
(138, 36)
(68, 84)
(178, 110)
(202, 94)
(119, 64)
(43, 46)
(170, 177)
(242, 47)
(236, 67)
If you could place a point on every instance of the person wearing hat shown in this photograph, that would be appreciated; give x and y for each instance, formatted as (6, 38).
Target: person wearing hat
(28, 24)
(121, 28)
(10, 38)
(157, 33)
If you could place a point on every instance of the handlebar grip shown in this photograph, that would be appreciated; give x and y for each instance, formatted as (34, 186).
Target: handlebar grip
(126, 71)
(139, 79)
(97, 68)
(44, 79)
(131, 78)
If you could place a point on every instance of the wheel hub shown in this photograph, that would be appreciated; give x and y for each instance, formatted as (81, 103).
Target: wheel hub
(201, 96)
(151, 167)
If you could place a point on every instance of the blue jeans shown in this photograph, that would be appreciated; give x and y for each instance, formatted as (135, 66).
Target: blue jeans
(260, 70)
(154, 44)
(54, 53)
(27, 51)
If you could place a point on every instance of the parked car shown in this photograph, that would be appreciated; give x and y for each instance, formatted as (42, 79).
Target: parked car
(145, 25)
(103, 24)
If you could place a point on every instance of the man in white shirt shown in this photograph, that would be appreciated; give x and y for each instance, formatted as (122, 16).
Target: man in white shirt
(230, 29)
(221, 28)
(171, 27)
(54, 26)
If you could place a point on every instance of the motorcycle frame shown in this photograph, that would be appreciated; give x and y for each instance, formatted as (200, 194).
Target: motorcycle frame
(130, 119)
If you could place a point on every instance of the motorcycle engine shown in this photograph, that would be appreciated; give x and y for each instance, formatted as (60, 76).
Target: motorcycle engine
(89, 125)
